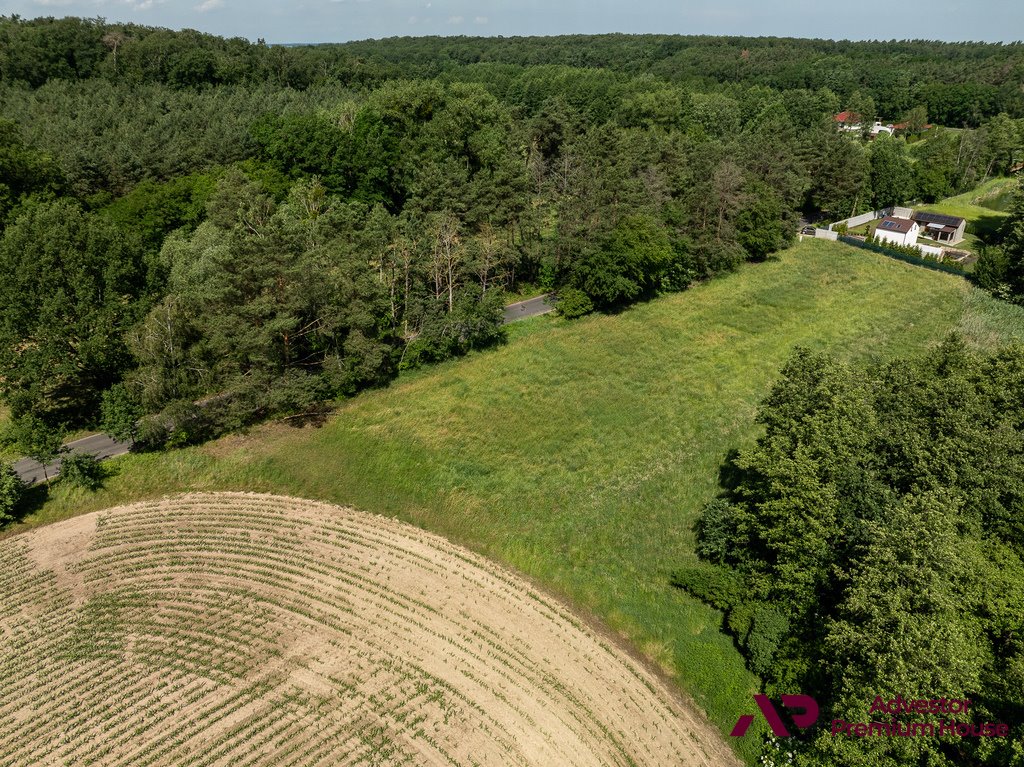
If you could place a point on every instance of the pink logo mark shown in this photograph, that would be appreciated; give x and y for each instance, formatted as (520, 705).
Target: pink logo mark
(805, 704)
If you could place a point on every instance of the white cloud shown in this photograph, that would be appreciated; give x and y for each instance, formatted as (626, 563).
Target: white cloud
(455, 19)
(209, 5)
(480, 20)
(53, 2)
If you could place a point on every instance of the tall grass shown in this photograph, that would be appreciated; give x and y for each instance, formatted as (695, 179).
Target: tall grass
(581, 453)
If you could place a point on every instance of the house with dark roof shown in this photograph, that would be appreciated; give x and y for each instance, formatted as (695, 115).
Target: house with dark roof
(898, 231)
(941, 228)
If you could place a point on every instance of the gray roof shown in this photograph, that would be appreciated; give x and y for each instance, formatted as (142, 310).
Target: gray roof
(938, 218)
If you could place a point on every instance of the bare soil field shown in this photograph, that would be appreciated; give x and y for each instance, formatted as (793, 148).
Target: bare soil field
(240, 629)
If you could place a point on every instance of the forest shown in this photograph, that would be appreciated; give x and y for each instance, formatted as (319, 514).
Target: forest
(872, 543)
(198, 233)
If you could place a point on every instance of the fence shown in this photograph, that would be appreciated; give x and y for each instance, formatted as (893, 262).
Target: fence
(864, 218)
(927, 263)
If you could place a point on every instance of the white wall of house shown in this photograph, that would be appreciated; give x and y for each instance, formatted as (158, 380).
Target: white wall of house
(898, 238)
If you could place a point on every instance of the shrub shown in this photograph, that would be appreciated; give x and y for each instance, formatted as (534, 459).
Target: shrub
(83, 471)
(716, 529)
(573, 303)
(11, 488)
(120, 412)
(718, 586)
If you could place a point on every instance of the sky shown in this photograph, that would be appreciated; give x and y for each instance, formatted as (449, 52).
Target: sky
(314, 21)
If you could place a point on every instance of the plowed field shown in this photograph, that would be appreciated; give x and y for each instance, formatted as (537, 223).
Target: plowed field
(238, 629)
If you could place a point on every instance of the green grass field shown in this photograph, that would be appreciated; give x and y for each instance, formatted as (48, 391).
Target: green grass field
(581, 453)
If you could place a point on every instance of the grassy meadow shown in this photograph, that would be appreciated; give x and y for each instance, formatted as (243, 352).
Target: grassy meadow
(580, 453)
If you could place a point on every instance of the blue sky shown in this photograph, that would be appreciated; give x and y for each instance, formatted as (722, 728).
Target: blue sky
(339, 20)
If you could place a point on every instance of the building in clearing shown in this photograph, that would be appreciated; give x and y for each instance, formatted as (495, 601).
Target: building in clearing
(945, 229)
(848, 121)
(898, 231)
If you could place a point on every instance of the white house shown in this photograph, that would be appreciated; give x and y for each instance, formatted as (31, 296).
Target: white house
(898, 231)
(879, 128)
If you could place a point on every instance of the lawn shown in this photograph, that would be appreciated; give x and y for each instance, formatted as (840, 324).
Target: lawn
(580, 453)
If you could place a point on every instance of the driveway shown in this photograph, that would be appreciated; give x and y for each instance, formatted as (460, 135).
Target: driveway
(531, 307)
(98, 445)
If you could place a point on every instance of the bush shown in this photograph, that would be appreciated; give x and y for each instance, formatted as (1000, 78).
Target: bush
(910, 253)
(120, 412)
(187, 424)
(768, 630)
(718, 586)
(716, 530)
(573, 303)
(11, 488)
(83, 471)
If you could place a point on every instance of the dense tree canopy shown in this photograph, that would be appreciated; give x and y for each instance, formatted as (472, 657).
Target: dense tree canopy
(73, 284)
(871, 543)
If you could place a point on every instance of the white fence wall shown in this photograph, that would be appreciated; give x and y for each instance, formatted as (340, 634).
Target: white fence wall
(826, 234)
(863, 218)
(931, 251)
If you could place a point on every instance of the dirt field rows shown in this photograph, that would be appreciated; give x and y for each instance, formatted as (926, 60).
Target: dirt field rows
(235, 629)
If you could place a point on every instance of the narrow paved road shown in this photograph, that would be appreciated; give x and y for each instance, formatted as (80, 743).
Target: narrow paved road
(102, 446)
(531, 307)
(99, 445)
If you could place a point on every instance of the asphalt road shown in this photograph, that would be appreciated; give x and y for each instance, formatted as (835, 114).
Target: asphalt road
(531, 307)
(99, 445)
(102, 446)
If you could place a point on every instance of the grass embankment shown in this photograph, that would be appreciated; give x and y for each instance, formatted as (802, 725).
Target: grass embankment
(581, 453)
(984, 208)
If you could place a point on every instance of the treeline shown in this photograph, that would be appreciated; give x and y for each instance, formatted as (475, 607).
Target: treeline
(871, 544)
(960, 84)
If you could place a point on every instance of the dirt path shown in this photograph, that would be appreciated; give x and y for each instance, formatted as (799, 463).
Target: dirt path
(237, 629)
